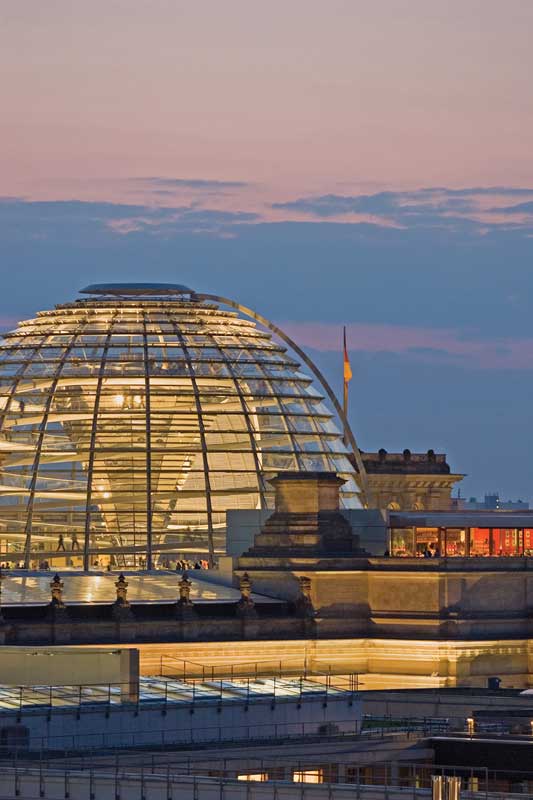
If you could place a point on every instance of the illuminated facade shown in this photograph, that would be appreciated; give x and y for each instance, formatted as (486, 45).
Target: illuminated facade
(461, 534)
(132, 419)
(409, 481)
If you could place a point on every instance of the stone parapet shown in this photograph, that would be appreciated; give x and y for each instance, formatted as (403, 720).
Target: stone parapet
(160, 628)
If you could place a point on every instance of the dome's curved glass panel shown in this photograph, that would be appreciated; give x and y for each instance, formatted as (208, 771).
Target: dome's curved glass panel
(130, 424)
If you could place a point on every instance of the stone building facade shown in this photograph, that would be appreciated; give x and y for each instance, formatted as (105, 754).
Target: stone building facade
(409, 481)
(399, 622)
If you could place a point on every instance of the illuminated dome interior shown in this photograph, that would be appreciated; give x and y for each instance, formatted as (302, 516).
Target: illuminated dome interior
(132, 419)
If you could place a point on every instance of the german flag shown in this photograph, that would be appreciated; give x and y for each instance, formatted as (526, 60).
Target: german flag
(347, 367)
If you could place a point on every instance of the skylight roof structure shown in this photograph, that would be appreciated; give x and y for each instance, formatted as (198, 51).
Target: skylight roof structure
(134, 418)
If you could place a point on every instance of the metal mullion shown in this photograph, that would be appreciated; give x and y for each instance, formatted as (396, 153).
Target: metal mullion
(92, 442)
(16, 381)
(42, 430)
(249, 426)
(203, 442)
(148, 434)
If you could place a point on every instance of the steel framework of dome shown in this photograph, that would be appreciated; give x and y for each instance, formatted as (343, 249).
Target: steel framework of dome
(132, 419)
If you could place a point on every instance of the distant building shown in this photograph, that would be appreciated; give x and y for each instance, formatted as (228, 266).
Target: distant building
(491, 502)
(409, 481)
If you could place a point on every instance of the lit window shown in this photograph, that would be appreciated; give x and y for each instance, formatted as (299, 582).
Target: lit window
(308, 776)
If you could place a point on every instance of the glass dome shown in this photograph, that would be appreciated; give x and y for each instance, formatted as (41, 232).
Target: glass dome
(133, 419)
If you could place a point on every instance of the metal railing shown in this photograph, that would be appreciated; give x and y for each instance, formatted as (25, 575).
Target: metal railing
(154, 692)
(288, 667)
(128, 747)
(296, 779)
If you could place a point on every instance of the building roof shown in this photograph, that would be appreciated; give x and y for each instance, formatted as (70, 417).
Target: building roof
(406, 463)
(136, 289)
(168, 691)
(33, 588)
(461, 519)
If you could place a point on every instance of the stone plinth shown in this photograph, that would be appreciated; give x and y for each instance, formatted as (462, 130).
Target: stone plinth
(306, 492)
(306, 517)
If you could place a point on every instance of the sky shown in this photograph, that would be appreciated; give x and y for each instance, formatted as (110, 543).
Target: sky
(366, 163)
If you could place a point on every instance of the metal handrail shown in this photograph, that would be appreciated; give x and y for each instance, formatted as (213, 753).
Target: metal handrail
(261, 668)
(68, 745)
(19, 699)
(416, 784)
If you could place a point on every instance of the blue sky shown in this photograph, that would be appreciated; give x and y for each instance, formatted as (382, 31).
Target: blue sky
(438, 307)
(357, 162)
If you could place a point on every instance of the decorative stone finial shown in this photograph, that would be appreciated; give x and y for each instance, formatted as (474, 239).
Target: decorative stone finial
(57, 592)
(122, 592)
(304, 604)
(57, 612)
(246, 606)
(305, 587)
(245, 587)
(121, 607)
(184, 606)
(185, 590)
(4, 627)
(2, 620)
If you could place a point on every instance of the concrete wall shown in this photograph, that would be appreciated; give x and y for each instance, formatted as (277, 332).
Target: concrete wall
(242, 526)
(455, 706)
(369, 524)
(58, 666)
(380, 663)
(156, 724)
(56, 785)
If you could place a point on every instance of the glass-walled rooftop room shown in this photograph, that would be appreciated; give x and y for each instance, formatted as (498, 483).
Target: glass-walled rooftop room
(430, 542)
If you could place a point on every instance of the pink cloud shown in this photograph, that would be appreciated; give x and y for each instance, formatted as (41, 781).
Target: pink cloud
(428, 344)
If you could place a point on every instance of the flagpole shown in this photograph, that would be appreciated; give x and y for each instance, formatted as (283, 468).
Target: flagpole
(345, 382)
(345, 409)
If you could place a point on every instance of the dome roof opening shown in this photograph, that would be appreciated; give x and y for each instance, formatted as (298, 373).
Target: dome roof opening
(134, 418)
(137, 289)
